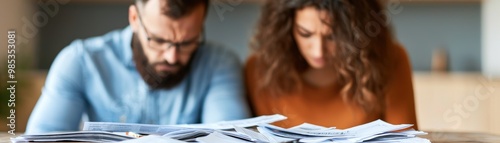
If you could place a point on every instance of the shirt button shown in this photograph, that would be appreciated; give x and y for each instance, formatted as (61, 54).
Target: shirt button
(123, 118)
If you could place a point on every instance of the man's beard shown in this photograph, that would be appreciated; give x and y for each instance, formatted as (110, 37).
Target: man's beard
(155, 80)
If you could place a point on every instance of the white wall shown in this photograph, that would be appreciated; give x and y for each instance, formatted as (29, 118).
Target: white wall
(491, 37)
(491, 55)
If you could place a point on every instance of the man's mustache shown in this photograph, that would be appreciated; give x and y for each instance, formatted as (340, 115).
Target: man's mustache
(176, 64)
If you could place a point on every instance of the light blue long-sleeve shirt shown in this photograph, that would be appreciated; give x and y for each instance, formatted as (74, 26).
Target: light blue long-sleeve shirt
(98, 77)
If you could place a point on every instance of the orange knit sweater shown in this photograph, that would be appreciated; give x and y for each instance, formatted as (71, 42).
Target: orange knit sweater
(324, 106)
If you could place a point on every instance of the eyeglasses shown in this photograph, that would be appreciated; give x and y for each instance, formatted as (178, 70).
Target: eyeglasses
(158, 44)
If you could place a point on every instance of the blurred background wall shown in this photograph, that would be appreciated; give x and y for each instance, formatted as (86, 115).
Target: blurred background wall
(12, 15)
(455, 26)
(466, 30)
(422, 27)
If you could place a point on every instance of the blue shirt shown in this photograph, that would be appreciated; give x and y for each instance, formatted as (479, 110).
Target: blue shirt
(98, 77)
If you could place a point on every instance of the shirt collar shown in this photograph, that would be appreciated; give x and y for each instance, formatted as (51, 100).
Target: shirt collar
(126, 36)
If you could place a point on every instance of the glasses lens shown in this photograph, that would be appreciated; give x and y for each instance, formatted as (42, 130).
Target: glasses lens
(180, 47)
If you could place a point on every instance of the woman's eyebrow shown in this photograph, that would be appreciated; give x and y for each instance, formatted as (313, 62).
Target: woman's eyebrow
(302, 28)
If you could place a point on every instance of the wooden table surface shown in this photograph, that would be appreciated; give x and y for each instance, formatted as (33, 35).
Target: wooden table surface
(434, 137)
(451, 137)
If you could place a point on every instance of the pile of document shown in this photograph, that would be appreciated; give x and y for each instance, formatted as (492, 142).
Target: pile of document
(376, 131)
(79, 136)
(115, 132)
(253, 130)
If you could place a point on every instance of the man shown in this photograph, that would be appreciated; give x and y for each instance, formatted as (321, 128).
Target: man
(158, 70)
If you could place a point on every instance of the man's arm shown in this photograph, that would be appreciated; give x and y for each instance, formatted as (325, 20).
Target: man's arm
(61, 104)
(226, 97)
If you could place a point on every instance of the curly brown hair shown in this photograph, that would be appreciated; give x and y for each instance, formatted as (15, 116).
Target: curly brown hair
(362, 38)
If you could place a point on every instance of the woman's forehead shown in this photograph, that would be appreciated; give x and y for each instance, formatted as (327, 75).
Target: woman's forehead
(313, 19)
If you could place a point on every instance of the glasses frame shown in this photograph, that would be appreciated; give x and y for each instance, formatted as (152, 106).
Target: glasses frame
(177, 45)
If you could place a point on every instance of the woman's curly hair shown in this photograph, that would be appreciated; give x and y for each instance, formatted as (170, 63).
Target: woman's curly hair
(362, 37)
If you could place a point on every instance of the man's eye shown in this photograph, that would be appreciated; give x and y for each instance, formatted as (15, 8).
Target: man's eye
(186, 44)
(161, 41)
(189, 43)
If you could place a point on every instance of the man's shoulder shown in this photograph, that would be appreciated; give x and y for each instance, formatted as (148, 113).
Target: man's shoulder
(212, 58)
(110, 40)
(109, 45)
(215, 52)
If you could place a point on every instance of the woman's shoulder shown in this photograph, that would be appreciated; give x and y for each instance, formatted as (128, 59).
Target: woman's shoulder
(397, 52)
(250, 72)
(400, 72)
(250, 65)
(251, 61)
(396, 58)
(400, 52)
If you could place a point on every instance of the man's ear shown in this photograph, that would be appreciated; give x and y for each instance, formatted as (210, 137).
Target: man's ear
(132, 18)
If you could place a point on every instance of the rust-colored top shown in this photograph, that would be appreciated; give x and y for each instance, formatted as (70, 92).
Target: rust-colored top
(324, 106)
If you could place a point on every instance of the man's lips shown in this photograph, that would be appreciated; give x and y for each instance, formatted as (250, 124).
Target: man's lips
(164, 67)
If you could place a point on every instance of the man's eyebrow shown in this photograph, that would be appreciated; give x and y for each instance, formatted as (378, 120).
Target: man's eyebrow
(155, 37)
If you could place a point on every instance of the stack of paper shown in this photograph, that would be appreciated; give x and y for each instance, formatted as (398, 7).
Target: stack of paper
(373, 132)
(164, 129)
(376, 131)
(190, 135)
(260, 131)
(81, 136)
(114, 132)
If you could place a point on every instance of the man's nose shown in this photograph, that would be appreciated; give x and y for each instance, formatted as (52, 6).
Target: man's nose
(170, 54)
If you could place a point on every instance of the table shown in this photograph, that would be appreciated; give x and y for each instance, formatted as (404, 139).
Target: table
(453, 137)
(434, 137)
(5, 137)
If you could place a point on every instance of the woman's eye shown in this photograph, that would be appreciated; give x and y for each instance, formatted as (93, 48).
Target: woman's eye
(305, 35)
(330, 37)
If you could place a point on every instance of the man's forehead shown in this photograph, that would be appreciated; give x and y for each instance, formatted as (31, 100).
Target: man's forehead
(174, 29)
(175, 8)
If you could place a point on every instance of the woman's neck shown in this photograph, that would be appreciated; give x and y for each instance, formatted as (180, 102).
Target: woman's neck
(319, 78)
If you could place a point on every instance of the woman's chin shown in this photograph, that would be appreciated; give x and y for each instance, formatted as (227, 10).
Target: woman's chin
(317, 66)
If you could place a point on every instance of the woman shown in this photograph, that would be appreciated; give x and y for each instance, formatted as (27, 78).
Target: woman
(330, 63)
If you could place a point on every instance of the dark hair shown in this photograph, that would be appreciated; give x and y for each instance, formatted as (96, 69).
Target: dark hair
(179, 8)
(359, 56)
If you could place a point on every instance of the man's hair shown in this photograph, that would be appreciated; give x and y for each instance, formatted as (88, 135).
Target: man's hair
(178, 8)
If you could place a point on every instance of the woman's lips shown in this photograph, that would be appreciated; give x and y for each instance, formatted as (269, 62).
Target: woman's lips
(319, 61)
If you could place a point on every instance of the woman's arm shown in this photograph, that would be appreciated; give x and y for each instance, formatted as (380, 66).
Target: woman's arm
(400, 101)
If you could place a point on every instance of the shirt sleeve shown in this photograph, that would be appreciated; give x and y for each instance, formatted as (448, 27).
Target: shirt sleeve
(61, 104)
(400, 102)
(226, 96)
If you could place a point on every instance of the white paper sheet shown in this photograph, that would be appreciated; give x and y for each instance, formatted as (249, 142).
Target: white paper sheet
(153, 139)
(217, 137)
(164, 129)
